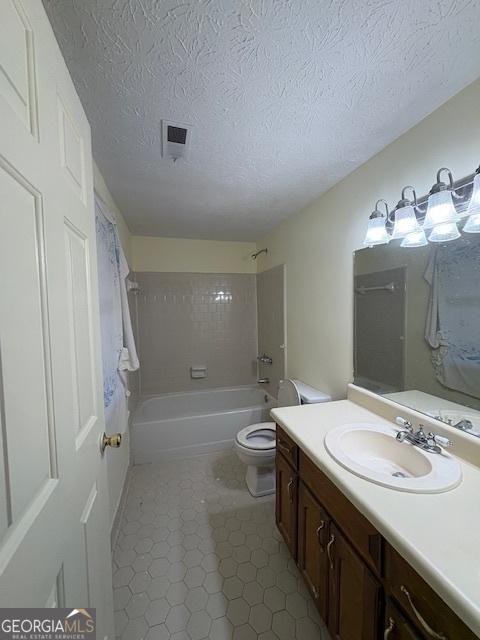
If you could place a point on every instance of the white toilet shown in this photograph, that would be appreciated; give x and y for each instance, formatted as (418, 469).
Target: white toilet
(255, 444)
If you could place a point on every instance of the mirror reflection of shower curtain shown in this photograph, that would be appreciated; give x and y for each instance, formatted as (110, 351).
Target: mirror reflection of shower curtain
(379, 330)
(453, 316)
(118, 347)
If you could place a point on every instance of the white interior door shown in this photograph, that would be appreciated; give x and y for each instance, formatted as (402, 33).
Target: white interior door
(54, 538)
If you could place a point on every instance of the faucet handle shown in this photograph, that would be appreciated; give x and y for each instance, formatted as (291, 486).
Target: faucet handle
(441, 440)
(404, 423)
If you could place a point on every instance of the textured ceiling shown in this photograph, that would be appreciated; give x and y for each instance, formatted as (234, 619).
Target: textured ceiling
(285, 97)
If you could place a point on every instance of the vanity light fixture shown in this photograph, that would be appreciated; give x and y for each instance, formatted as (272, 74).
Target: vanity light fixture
(404, 217)
(447, 204)
(473, 212)
(376, 230)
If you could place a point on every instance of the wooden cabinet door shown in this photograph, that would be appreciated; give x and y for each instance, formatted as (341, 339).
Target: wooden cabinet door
(312, 539)
(354, 594)
(287, 503)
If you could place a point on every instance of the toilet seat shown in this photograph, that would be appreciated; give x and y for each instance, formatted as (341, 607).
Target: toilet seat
(258, 437)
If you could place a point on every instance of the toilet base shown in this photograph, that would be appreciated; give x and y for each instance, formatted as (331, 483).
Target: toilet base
(260, 480)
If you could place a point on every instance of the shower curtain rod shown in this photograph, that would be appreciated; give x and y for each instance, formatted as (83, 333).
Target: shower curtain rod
(383, 287)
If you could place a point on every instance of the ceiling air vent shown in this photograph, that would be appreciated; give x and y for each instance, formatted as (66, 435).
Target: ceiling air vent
(175, 140)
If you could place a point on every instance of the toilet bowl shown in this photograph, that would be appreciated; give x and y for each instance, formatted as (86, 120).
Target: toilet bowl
(256, 444)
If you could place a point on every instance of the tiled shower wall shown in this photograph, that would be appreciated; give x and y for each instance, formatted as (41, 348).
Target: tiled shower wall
(187, 319)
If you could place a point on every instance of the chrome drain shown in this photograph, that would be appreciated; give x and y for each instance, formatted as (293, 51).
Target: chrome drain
(399, 474)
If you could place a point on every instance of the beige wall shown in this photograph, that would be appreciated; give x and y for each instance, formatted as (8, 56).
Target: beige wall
(192, 256)
(317, 244)
(117, 460)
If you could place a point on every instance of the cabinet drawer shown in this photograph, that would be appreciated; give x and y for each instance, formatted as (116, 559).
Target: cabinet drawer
(287, 447)
(425, 609)
(362, 535)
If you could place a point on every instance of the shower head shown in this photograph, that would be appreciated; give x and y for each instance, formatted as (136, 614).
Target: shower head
(255, 255)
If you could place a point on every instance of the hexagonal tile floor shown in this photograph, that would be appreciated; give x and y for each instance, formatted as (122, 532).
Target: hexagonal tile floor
(198, 557)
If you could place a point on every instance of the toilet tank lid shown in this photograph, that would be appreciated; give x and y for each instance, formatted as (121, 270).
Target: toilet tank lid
(310, 395)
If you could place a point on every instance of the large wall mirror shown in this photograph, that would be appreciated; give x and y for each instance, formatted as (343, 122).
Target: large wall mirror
(417, 327)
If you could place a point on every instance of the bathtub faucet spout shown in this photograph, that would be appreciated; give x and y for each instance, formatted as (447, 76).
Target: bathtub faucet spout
(263, 380)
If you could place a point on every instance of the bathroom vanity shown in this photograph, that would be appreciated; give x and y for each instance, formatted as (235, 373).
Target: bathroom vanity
(362, 549)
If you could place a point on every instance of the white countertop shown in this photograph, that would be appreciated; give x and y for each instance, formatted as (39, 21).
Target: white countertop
(438, 534)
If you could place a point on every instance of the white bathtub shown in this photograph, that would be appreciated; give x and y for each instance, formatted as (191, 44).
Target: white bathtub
(192, 422)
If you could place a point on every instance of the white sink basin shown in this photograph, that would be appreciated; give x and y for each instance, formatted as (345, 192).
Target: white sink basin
(372, 452)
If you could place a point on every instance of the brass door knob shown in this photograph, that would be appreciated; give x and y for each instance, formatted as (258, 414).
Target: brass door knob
(115, 440)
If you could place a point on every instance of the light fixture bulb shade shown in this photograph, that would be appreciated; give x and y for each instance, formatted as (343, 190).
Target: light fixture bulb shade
(444, 232)
(415, 239)
(405, 222)
(376, 232)
(440, 209)
(473, 223)
(474, 204)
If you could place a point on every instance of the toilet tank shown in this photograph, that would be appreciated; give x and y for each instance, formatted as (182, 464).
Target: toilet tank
(310, 395)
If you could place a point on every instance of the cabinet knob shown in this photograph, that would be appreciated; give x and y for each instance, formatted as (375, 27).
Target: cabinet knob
(320, 528)
(329, 550)
(283, 447)
(389, 628)
(290, 489)
(435, 635)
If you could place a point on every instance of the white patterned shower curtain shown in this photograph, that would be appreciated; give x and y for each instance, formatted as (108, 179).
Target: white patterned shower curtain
(453, 315)
(119, 354)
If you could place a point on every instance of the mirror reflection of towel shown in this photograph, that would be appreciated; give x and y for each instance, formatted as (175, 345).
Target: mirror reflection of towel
(452, 325)
(432, 322)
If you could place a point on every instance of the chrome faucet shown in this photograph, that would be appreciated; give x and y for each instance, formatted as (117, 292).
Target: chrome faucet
(464, 425)
(264, 359)
(430, 441)
(263, 380)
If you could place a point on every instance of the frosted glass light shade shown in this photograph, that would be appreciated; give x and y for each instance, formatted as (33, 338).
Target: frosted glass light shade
(473, 223)
(440, 209)
(444, 232)
(376, 232)
(415, 239)
(405, 222)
